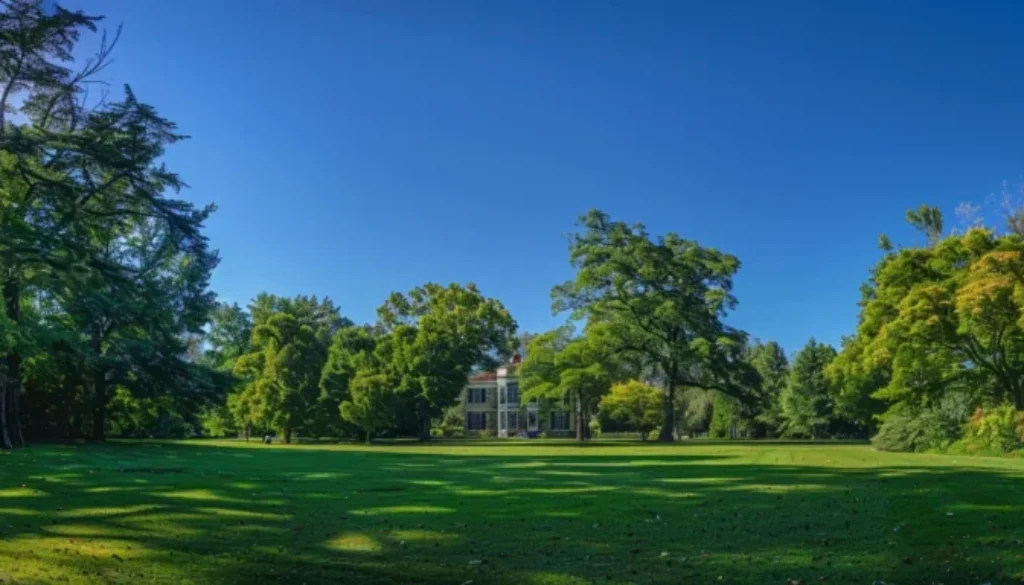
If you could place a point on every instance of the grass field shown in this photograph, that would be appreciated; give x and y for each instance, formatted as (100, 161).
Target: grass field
(513, 513)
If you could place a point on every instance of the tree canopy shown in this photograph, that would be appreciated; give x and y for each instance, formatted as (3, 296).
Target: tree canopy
(661, 300)
(563, 367)
(113, 269)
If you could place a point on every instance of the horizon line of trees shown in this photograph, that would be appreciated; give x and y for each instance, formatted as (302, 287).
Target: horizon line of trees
(109, 325)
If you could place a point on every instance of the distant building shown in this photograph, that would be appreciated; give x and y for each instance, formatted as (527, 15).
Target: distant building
(491, 402)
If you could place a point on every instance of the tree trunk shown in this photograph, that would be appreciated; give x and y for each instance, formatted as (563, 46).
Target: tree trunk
(579, 418)
(64, 428)
(99, 405)
(668, 404)
(424, 428)
(10, 423)
(5, 439)
(287, 436)
(19, 438)
(423, 414)
(585, 418)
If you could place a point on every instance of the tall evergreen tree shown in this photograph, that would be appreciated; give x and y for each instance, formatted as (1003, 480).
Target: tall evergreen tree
(773, 368)
(69, 168)
(808, 401)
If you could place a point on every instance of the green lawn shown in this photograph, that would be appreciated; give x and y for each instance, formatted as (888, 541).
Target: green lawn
(515, 513)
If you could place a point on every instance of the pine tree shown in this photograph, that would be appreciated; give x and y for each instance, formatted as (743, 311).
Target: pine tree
(70, 169)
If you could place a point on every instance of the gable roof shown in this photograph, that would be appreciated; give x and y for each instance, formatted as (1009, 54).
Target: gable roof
(484, 377)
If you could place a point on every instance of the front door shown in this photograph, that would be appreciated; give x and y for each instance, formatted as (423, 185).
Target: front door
(532, 422)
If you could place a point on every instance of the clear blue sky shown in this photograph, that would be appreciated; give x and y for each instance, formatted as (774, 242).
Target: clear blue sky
(356, 148)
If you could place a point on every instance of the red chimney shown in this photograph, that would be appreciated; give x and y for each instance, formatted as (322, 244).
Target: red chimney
(516, 358)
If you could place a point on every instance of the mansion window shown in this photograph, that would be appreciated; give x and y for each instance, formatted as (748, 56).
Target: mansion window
(476, 421)
(513, 393)
(559, 421)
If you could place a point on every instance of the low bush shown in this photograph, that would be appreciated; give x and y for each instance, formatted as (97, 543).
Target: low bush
(993, 431)
(934, 428)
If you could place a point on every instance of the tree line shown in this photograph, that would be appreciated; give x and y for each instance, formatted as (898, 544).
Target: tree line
(109, 325)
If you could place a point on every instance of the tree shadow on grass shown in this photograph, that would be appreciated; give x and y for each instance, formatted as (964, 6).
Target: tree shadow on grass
(182, 513)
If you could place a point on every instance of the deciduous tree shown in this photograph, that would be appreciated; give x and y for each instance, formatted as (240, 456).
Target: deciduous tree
(561, 366)
(634, 405)
(439, 335)
(663, 300)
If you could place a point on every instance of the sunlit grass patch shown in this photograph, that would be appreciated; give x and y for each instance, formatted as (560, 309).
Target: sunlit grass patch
(105, 511)
(354, 542)
(321, 475)
(18, 512)
(385, 510)
(420, 535)
(21, 492)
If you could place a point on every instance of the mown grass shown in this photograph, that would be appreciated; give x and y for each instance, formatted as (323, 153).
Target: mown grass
(509, 513)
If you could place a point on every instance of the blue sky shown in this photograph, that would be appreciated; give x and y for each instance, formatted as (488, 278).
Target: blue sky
(356, 148)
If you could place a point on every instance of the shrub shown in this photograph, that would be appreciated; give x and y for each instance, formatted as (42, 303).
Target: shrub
(898, 433)
(216, 422)
(993, 431)
(934, 428)
(451, 424)
(487, 434)
(631, 406)
(595, 428)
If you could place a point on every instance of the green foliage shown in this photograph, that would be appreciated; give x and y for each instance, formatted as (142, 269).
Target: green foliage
(371, 404)
(105, 275)
(350, 351)
(807, 400)
(452, 423)
(662, 302)
(936, 321)
(216, 421)
(283, 367)
(769, 360)
(436, 335)
(560, 366)
(933, 428)
(228, 337)
(993, 431)
(884, 243)
(146, 417)
(634, 406)
(928, 220)
(725, 419)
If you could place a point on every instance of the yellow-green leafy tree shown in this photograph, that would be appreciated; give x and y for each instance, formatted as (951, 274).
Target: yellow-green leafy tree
(634, 405)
